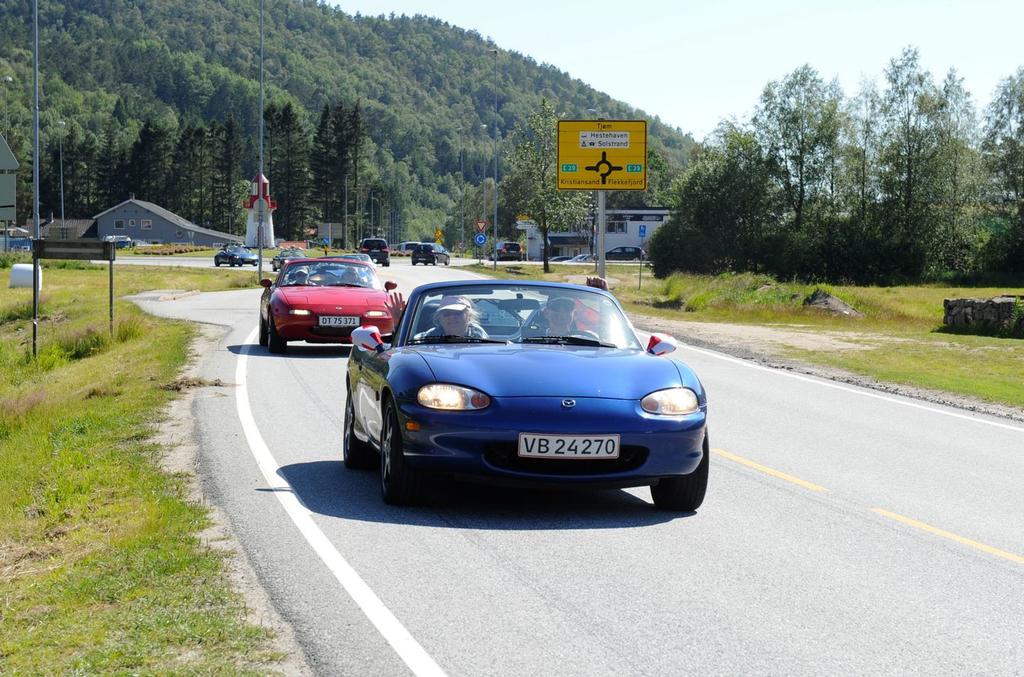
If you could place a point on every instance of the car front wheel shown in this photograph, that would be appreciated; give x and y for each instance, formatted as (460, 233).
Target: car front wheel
(399, 483)
(685, 492)
(216, 263)
(275, 343)
(264, 338)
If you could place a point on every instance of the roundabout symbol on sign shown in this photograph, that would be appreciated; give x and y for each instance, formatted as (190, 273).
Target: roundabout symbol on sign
(479, 239)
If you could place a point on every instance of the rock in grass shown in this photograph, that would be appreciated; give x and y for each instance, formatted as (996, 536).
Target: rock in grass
(820, 298)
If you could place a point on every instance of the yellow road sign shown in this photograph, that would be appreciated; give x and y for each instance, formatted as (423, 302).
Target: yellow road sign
(602, 155)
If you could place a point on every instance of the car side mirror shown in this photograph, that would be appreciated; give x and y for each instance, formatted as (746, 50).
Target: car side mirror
(661, 344)
(389, 285)
(368, 338)
(265, 282)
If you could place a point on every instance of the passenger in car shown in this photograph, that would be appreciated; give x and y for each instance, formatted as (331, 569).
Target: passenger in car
(558, 318)
(455, 316)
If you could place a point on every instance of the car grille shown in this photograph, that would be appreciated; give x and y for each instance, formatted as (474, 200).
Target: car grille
(504, 455)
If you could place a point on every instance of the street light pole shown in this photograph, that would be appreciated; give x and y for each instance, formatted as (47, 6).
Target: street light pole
(462, 200)
(495, 267)
(259, 181)
(35, 169)
(63, 223)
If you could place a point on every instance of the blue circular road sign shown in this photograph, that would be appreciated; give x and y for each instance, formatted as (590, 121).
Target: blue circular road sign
(480, 239)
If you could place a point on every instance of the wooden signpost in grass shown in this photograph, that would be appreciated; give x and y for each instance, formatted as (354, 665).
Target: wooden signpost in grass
(81, 250)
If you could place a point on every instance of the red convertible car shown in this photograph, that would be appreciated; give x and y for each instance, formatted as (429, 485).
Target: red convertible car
(322, 301)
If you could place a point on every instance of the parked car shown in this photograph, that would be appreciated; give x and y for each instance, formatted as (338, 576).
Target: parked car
(511, 402)
(508, 251)
(358, 256)
(558, 259)
(377, 248)
(235, 255)
(625, 254)
(120, 241)
(582, 258)
(322, 301)
(285, 255)
(430, 253)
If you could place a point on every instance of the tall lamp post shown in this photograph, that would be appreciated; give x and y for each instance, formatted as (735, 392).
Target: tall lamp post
(259, 181)
(495, 51)
(35, 169)
(63, 223)
(601, 225)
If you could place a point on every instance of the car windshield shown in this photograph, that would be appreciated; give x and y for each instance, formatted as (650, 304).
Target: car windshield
(328, 274)
(519, 313)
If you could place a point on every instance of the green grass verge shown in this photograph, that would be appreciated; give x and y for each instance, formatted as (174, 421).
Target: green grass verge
(901, 333)
(101, 564)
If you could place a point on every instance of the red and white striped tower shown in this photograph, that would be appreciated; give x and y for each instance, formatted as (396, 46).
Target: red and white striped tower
(259, 199)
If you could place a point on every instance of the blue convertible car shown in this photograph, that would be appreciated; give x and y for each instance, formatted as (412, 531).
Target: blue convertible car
(528, 382)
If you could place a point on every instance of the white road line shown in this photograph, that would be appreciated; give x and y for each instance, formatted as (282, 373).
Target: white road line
(407, 648)
(848, 389)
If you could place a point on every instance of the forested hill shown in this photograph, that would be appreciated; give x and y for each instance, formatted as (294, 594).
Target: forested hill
(425, 87)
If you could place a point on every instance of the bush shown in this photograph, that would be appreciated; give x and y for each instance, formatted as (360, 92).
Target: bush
(128, 329)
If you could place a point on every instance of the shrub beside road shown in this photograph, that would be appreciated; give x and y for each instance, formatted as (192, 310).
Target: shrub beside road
(101, 567)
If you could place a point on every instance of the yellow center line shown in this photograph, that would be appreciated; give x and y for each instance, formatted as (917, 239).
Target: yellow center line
(951, 536)
(769, 471)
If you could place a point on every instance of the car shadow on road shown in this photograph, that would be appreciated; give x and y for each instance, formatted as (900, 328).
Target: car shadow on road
(301, 351)
(328, 488)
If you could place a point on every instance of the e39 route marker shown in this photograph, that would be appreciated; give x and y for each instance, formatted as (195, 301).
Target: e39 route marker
(407, 648)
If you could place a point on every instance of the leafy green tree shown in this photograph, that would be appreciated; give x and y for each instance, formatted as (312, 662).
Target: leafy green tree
(149, 164)
(726, 215)
(530, 184)
(1003, 148)
(288, 153)
(797, 124)
(908, 177)
(958, 233)
(228, 214)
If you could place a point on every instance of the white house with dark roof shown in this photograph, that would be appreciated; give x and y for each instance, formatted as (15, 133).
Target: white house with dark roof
(146, 222)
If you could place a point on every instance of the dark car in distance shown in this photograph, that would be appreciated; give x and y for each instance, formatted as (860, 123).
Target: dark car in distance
(625, 254)
(508, 251)
(432, 254)
(235, 255)
(377, 249)
(284, 256)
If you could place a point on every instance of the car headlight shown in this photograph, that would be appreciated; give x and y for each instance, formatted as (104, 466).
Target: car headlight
(451, 398)
(377, 313)
(670, 402)
(298, 311)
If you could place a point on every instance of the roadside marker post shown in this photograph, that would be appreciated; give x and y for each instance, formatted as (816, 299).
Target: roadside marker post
(601, 155)
(80, 250)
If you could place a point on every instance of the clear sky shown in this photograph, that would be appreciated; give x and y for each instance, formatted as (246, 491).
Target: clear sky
(694, 64)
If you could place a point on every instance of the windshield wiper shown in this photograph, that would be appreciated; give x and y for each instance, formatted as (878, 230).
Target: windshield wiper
(569, 340)
(346, 284)
(454, 338)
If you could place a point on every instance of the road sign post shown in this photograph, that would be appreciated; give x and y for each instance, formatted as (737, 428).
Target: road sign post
(602, 155)
(640, 275)
(80, 250)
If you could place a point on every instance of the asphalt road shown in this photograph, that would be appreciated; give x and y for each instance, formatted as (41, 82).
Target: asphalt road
(844, 532)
